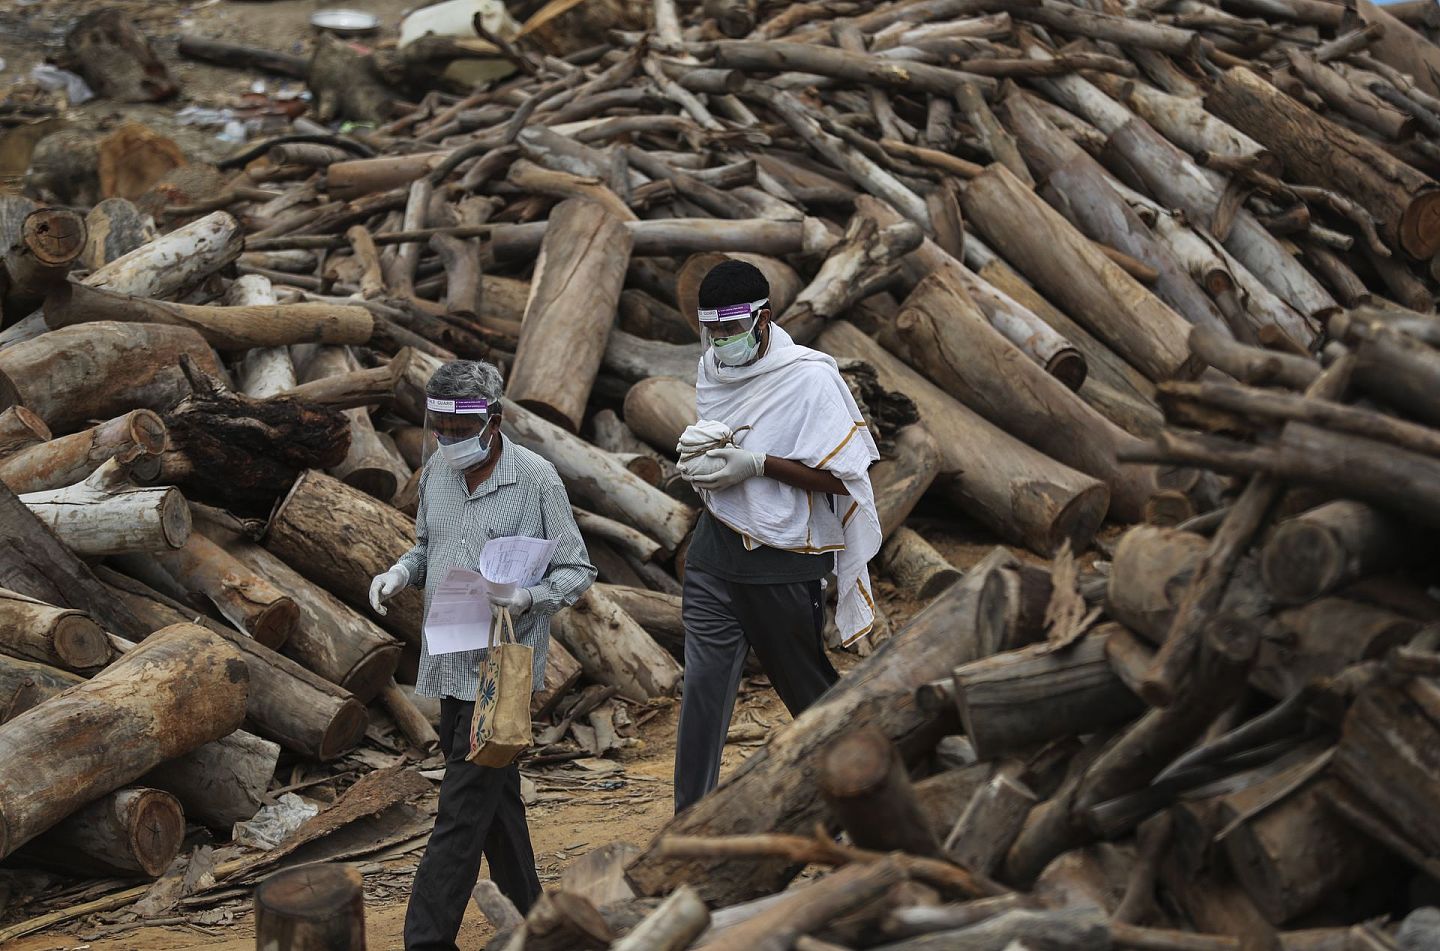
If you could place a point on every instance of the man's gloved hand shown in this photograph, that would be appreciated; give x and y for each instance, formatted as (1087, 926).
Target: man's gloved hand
(385, 586)
(736, 465)
(518, 602)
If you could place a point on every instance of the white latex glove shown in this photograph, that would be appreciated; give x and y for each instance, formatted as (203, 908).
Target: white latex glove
(519, 601)
(737, 466)
(385, 586)
(698, 437)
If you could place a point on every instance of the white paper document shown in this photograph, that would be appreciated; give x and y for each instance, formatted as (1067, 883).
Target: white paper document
(459, 616)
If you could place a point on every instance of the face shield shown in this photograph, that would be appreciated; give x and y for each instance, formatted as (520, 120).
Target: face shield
(730, 331)
(462, 432)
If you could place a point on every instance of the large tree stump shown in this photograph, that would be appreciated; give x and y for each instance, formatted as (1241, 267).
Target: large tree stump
(1013, 489)
(60, 637)
(129, 831)
(70, 459)
(222, 782)
(311, 908)
(340, 538)
(613, 649)
(573, 300)
(246, 600)
(181, 688)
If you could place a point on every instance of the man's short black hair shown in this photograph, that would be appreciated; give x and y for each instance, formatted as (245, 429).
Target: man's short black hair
(733, 282)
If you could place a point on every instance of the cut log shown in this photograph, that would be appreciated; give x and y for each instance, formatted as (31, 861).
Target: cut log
(129, 831)
(673, 926)
(1320, 640)
(562, 673)
(246, 600)
(671, 237)
(785, 283)
(915, 566)
(222, 782)
(101, 370)
(50, 241)
(659, 409)
(1152, 565)
(657, 612)
(175, 260)
(60, 637)
(1064, 263)
(20, 429)
(613, 649)
(865, 786)
(25, 684)
(600, 481)
(71, 459)
(1001, 698)
(329, 638)
(1013, 489)
(952, 342)
(623, 537)
(1326, 548)
(340, 538)
(1398, 370)
(990, 822)
(116, 59)
(900, 480)
(407, 716)
(1319, 152)
(263, 371)
(107, 515)
(183, 687)
(318, 907)
(114, 228)
(637, 359)
(774, 792)
(1017, 599)
(573, 301)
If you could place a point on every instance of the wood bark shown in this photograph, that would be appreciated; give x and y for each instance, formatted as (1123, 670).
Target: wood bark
(340, 538)
(990, 822)
(60, 637)
(70, 459)
(246, 600)
(659, 409)
(1319, 152)
(222, 782)
(863, 780)
(900, 480)
(1321, 550)
(183, 687)
(413, 724)
(1063, 262)
(50, 241)
(1016, 491)
(25, 684)
(127, 832)
(1399, 370)
(20, 429)
(915, 566)
(107, 515)
(952, 342)
(100, 370)
(562, 673)
(771, 792)
(1000, 697)
(329, 638)
(601, 482)
(613, 649)
(317, 907)
(263, 371)
(1387, 755)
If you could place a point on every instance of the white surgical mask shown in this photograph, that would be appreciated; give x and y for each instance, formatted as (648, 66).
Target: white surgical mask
(467, 453)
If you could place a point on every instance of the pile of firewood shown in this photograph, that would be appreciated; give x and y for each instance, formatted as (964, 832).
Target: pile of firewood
(1171, 266)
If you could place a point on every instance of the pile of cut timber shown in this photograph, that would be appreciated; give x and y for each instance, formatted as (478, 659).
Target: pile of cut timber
(1170, 265)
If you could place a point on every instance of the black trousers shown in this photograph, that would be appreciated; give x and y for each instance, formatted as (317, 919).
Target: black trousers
(782, 622)
(480, 812)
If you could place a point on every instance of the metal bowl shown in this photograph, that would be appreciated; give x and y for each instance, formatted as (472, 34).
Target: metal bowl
(347, 22)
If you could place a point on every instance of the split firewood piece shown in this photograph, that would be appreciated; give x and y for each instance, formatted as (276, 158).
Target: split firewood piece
(70, 459)
(51, 240)
(222, 782)
(600, 481)
(915, 566)
(249, 602)
(100, 370)
(865, 786)
(340, 538)
(1322, 550)
(175, 260)
(613, 649)
(1322, 639)
(330, 638)
(854, 269)
(1056, 503)
(108, 515)
(226, 328)
(26, 683)
(321, 905)
(263, 371)
(673, 926)
(116, 59)
(1320, 152)
(127, 832)
(407, 716)
(573, 301)
(60, 637)
(1141, 328)
(20, 429)
(991, 821)
(774, 794)
(182, 687)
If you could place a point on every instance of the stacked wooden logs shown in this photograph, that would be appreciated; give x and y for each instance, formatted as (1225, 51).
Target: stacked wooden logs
(1171, 266)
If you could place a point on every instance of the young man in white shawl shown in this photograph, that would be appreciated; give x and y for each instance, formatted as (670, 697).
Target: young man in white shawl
(781, 457)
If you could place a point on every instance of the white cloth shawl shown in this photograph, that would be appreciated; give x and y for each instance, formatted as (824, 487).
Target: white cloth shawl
(797, 407)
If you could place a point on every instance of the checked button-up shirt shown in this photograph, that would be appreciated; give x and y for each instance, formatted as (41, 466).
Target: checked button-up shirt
(522, 496)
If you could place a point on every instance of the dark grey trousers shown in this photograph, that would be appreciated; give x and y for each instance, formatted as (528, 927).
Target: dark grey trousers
(782, 622)
(480, 812)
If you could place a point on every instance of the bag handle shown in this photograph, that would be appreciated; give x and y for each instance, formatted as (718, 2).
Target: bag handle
(504, 624)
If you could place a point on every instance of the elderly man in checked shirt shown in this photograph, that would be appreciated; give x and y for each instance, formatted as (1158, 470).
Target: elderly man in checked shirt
(478, 485)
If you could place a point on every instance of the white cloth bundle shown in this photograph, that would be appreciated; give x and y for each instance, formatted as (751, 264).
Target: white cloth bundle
(792, 403)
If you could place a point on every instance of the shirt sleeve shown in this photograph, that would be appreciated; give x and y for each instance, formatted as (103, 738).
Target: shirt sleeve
(570, 571)
(417, 558)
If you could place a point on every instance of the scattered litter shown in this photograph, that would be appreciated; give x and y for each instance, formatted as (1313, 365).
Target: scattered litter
(54, 79)
(274, 824)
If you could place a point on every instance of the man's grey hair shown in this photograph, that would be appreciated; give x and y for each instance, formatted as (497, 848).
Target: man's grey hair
(466, 380)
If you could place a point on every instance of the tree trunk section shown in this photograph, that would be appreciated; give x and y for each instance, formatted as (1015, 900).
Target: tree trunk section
(613, 649)
(25, 684)
(865, 786)
(127, 832)
(657, 612)
(222, 782)
(106, 515)
(183, 687)
(311, 908)
(915, 566)
(991, 821)
(41, 632)
(1318, 641)
(246, 600)
(20, 429)
(1326, 548)
(264, 371)
(901, 480)
(659, 409)
(71, 459)
(577, 283)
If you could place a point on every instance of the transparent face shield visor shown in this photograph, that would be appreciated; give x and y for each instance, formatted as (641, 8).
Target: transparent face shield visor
(730, 330)
(461, 431)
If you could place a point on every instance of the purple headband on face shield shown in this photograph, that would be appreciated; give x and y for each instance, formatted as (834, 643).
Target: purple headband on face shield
(458, 407)
(731, 311)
